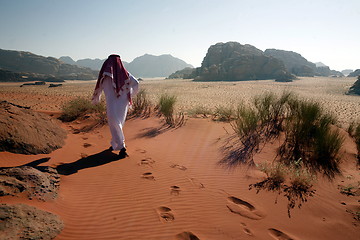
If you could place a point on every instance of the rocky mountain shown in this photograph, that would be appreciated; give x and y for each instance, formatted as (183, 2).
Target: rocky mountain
(355, 89)
(232, 61)
(155, 66)
(299, 66)
(67, 59)
(185, 73)
(294, 62)
(355, 73)
(28, 64)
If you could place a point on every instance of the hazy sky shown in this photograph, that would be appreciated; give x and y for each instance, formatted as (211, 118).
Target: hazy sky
(320, 30)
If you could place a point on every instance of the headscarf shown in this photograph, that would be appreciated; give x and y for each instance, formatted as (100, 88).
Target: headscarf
(114, 68)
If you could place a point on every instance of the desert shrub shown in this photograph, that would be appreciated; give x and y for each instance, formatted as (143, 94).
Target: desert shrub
(311, 137)
(166, 107)
(81, 106)
(224, 113)
(256, 125)
(141, 105)
(310, 133)
(276, 176)
(294, 181)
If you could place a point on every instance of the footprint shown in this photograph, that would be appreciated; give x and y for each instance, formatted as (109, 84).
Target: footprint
(247, 230)
(244, 209)
(141, 150)
(196, 183)
(148, 175)
(86, 145)
(175, 190)
(165, 214)
(279, 235)
(178, 167)
(187, 236)
(146, 162)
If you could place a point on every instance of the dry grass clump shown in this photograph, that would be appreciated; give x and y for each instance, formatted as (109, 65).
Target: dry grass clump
(166, 108)
(81, 106)
(309, 133)
(294, 181)
(141, 106)
(224, 113)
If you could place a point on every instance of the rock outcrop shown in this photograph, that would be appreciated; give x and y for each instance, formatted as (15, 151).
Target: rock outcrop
(299, 66)
(232, 61)
(185, 73)
(42, 67)
(355, 73)
(355, 89)
(25, 131)
(21, 221)
(42, 185)
(294, 62)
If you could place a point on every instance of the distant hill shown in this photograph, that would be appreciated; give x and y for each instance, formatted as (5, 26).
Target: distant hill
(355, 73)
(232, 61)
(185, 73)
(299, 66)
(155, 66)
(36, 66)
(355, 88)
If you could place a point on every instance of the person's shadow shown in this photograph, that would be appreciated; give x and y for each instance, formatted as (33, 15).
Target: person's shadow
(94, 160)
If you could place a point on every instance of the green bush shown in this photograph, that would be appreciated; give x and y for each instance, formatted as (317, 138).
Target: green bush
(310, 133)
(310, 136)
(167, 109)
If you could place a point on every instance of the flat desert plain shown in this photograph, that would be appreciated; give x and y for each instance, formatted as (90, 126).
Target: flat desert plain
(171, 185)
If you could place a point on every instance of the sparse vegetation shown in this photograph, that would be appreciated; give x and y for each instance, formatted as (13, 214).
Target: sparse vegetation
(224, 113)
(81, 106)
(309, 132)
(141, 105)
(295, 181)
(310, 136)
(166, 107)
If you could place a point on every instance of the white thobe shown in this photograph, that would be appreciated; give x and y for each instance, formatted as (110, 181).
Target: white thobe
(116, 108)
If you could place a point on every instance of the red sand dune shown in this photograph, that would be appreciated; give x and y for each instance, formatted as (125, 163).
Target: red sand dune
(171, 187)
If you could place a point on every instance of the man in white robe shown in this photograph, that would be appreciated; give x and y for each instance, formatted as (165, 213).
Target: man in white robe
(118, 86)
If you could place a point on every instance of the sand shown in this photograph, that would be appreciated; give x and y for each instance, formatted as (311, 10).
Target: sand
(172, 187)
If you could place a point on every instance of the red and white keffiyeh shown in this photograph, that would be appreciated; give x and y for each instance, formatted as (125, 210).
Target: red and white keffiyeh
(114, 68)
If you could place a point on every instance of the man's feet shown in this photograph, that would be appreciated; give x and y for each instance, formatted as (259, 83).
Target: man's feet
(123, 153)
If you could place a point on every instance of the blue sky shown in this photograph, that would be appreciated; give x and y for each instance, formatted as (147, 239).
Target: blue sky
(320, 30)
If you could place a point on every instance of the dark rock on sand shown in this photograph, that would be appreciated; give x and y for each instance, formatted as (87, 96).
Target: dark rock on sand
(355, 73)
(355, 89)
(21, 221)
(25, 131)
(41, 183)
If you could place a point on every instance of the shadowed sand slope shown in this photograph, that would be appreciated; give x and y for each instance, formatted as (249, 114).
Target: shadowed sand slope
(171, 187)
